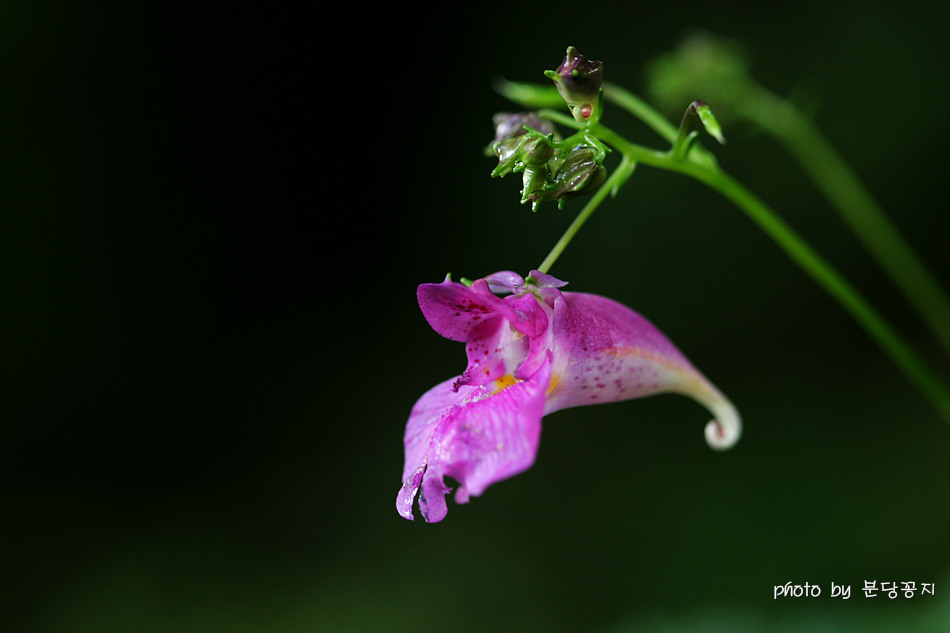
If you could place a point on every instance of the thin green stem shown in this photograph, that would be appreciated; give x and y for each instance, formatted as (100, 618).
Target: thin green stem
(639, 108)
(611, 185)
(855, 206)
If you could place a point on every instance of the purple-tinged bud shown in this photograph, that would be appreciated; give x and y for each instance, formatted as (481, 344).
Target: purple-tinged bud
(508, 125)
(578, 80)
(518, 152)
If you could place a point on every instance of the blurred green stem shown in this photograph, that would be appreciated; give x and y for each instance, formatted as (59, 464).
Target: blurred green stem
(638, 108)
(833, 283)
(855, 205)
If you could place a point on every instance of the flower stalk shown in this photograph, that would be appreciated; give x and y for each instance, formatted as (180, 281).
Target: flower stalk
(610, 187)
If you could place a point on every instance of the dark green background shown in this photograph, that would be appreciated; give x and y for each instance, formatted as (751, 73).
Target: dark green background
(214, 221)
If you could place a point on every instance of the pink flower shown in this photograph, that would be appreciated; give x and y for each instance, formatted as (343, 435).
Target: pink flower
(534, 351)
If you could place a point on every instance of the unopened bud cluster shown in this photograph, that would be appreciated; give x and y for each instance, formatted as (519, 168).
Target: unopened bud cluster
(528, 145)
(552, 169)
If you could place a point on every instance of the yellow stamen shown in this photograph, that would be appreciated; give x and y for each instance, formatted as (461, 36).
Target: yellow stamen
(504, 382)
(555, 381)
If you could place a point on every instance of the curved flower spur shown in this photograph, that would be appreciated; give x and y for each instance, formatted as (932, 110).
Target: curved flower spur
(532, 350)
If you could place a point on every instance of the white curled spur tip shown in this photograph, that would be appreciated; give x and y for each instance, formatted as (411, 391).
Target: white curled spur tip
(725, 429)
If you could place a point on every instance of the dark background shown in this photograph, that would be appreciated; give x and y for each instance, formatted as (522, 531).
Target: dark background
(215, 218)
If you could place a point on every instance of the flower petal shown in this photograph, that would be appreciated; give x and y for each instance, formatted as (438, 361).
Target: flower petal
(477, 435)
(606, 352)
(544, 280)
(505, 281)
(454, 310)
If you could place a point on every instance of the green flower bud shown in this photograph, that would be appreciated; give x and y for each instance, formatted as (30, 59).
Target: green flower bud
(536, 150)
(708, 120)
(524, 148)
(507, 153)
(534, 180)
(579, 81)
(578, 174)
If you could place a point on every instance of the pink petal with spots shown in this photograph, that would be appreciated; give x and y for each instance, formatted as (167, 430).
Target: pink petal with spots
(606, 352)
(472, 434)
(535, 351)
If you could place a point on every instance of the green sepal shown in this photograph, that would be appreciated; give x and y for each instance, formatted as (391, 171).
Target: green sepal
(709, 121)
